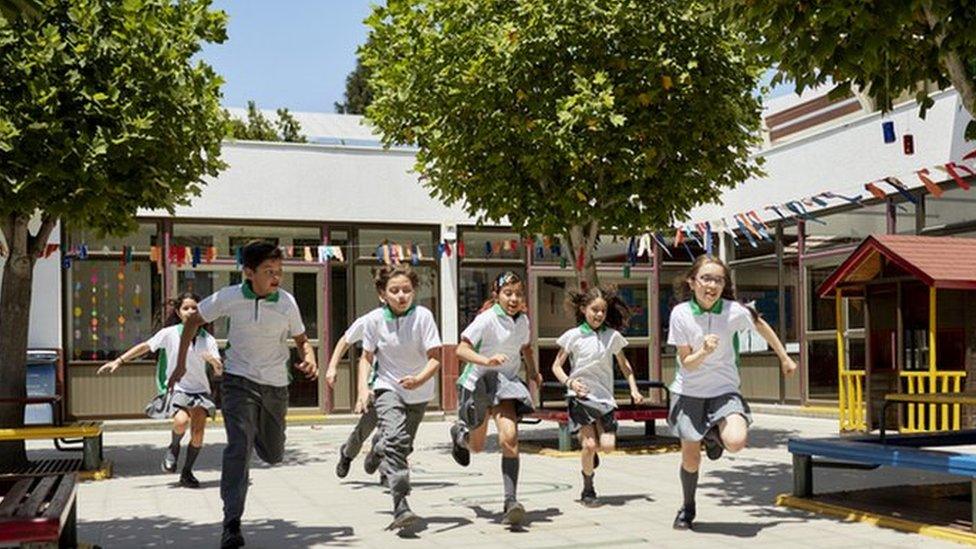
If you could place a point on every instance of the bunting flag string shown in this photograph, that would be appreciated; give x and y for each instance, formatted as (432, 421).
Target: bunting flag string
(901, 188)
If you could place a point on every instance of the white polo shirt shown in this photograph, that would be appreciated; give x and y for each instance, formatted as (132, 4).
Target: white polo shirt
(257, 339)
(400, 344)
(718, 374)
(356, 330)
(591, 355)
(167, 342)
(494, 332)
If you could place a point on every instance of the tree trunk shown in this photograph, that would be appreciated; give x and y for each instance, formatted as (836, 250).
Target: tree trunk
(955, 66)
(583, 237)
(15, 302)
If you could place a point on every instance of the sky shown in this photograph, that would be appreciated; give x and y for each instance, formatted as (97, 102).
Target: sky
(294, 53)
(288, 53)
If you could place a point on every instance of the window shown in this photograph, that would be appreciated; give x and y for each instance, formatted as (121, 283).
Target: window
(848, 227)
(953, 207)
(227, 238)
(759, 284)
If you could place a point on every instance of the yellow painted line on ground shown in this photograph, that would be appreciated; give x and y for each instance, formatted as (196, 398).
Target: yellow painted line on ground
(884, 521)
(98, 474)
(550, 452)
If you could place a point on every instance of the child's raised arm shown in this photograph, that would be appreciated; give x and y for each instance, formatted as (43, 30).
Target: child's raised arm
(135, 352)
(190, 327)
(557, 370)
(628, 372)
(787, 364)
(340, 350)
(466, 353)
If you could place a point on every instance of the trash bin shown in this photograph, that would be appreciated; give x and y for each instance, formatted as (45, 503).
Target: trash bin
(42, 381)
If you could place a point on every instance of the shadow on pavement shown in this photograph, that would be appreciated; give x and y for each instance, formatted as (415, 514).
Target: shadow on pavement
(162, 531)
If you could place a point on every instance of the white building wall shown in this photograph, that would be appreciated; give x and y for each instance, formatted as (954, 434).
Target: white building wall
(45, 318)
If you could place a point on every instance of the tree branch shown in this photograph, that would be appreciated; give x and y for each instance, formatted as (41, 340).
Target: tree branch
(953, 64)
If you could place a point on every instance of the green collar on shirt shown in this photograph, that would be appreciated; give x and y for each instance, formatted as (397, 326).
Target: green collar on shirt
(388, 313)
(249, 293)
(587, 329)
(697, 309)
(500, 311)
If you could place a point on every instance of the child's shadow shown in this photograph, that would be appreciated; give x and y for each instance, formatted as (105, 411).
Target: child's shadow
(539, 515)
(204, 484)
(622, 499)
(425, 523)
(420, 486)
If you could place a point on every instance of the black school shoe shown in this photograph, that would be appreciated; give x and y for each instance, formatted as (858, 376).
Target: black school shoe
(713, 444)
(460, 454)
(342, 466)
(232, 537)
(514, 513)
(685, 518)
(188, 480)
(403, 517)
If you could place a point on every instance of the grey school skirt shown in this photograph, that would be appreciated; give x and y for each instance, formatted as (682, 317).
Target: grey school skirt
(165, 405)
(583, 411)
(691, 417)
(490, 390)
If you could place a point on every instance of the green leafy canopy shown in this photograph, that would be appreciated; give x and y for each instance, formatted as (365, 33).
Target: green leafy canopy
(560, 113)
(104, 110)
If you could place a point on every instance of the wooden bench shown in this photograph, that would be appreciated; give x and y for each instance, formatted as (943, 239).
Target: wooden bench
(944, 399)
(647, 413)
(40, 510)
(89, 432)
(868, 452)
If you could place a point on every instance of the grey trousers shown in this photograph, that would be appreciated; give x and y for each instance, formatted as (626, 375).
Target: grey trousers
(364, 427)
(393, 441)
(254, 418)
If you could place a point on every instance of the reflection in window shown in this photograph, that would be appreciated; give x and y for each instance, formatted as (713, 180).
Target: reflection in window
(474, 289)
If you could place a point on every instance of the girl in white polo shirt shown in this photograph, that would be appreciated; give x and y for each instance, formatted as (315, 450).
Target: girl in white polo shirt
(591, 348)
(190, 403)
(405, 344)
(705, 402)
(493, 346)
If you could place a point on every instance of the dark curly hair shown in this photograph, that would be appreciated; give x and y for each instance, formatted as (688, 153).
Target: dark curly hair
(618, 312)
(382, 275)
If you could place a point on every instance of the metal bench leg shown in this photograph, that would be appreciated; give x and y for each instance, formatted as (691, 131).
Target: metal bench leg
(69, 532)
(91, 457)
(650, 428)
(565, 438)
(802, 476)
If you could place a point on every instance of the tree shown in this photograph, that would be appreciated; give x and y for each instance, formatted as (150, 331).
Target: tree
(883, 48)
(257, 127)
(567, 117)
(12, 9)
(103, 110)
(358, 96)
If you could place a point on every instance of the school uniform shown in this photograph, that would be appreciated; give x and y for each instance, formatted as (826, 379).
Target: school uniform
(255, 386)
(193, 389)
(591, 355)
(702, 397)
(480, 387)
(367, 422)
(400, 344)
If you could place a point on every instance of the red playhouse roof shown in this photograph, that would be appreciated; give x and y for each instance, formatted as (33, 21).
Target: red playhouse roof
(938, 261)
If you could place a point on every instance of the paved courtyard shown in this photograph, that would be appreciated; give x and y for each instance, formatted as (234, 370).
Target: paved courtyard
(302, 504)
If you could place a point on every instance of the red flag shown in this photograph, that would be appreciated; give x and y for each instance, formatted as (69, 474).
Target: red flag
(951, 167)
(877, 192)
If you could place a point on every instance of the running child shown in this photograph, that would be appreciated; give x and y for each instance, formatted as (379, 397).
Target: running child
(405, 344)
(367, 421)
(591, 348)
(706, 406)
(489, 386)
(255, 387)
(190, 402)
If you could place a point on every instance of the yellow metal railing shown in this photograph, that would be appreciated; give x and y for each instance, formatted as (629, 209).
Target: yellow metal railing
(919, 418)
(851, 393)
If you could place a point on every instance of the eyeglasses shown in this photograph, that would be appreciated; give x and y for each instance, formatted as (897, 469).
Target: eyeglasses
(713, 280)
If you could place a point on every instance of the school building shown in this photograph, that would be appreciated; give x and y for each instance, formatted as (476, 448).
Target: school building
(343, 194)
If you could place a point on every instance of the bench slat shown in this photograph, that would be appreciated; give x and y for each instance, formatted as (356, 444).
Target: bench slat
(78, 430)
(61, 501)
(31, 507)
(12, 498)
(933, 398)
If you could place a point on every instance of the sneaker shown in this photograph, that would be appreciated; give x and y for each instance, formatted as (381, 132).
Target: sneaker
(514, 513)
(403, 518)
(232, 538)
(713, 444)
(188, 480)
(371, 463)
(460, 454)
(685, 518)
(342, 466)
(588, 497)
(169, 462)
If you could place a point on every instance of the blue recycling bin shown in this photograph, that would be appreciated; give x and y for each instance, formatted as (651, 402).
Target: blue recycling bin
(42, 381)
